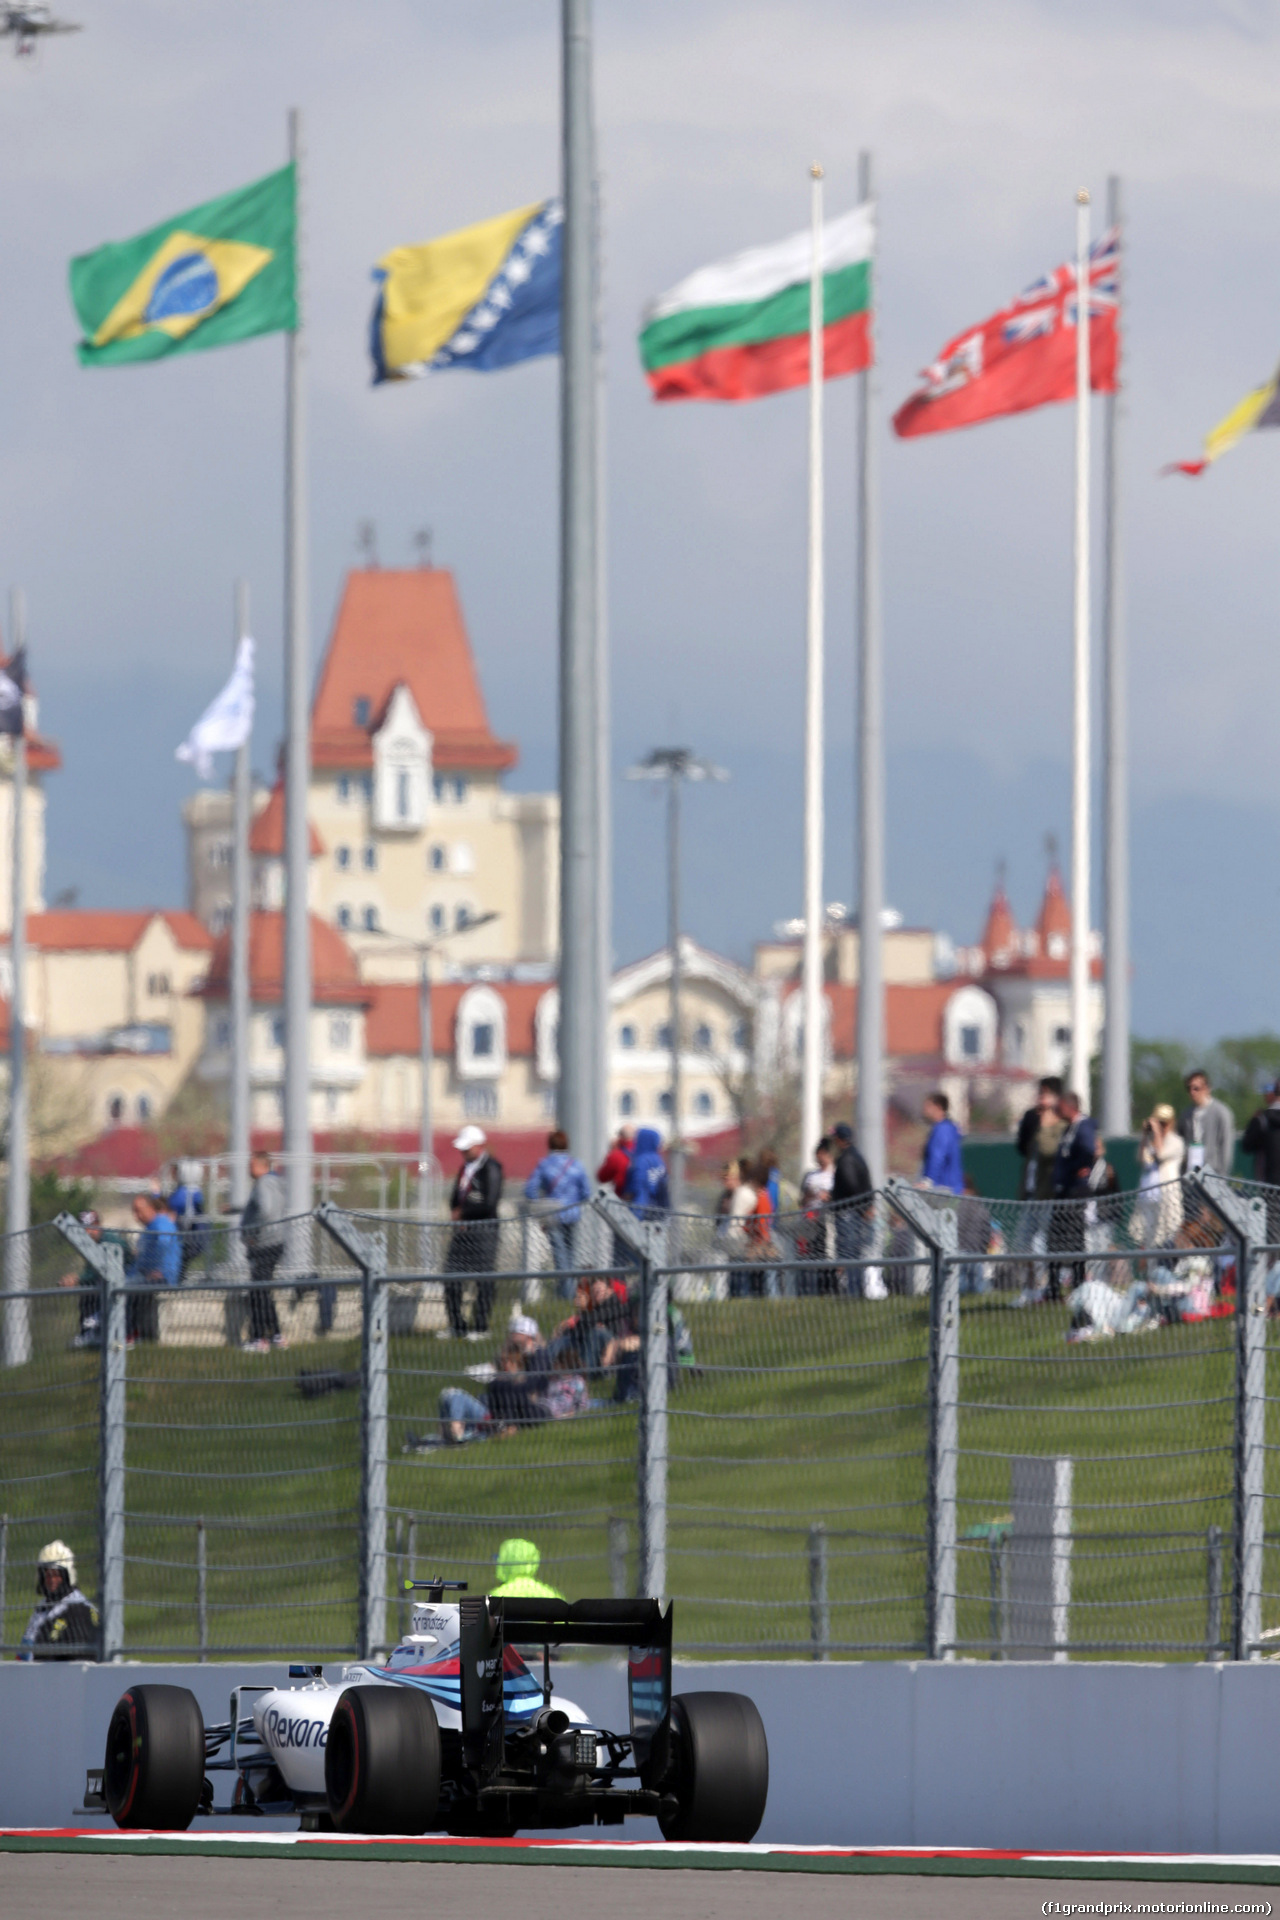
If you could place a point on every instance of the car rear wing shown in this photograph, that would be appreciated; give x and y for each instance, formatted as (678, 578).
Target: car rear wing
(490, 1625)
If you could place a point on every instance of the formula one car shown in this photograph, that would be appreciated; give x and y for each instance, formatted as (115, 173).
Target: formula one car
(455, 1733)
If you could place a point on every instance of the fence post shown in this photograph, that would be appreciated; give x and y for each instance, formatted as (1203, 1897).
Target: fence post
(936, 1226)
(108, 1263)
(4, 1569)
(618, 1544)
(202, 1591)
(1247, 1221)
(819, 1610)
(646, 1242)
(1213, 1599)
(369, 1253)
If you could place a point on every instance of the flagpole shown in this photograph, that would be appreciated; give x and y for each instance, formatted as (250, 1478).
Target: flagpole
(17, 1251)
(1117, 1094)
(812, 1057)
(1080, 879)
(580, 1101)
(870, 1097)
(240, 1113)
(297, 931)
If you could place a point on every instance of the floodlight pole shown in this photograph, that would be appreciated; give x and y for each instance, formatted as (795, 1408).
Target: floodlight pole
(674, 765)
(1117, 1091)
(1080, 755)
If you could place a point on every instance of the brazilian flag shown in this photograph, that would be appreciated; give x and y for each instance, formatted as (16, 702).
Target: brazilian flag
(220, 273)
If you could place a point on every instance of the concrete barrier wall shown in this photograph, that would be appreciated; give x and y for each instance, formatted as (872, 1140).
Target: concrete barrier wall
(1087, 1755)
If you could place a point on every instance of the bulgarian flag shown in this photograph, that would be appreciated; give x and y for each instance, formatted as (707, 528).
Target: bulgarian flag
(740, 329)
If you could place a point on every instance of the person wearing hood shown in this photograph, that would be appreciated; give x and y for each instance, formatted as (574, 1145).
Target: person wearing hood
(646, 1183)
(517, 1570)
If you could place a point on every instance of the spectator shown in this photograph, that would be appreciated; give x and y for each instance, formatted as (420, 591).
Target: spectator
(559, 1185)
(850, 1182)
(473, 1245)
(509, 1403)
(646, 1182)
(157, 1262)
(1073, 1166)
(1208, 1126)
(262, 1231)
(771, 1179)
(811, 1242)
(186, 1204)
(1261, 1138)
(940, 1163)
(90, 1285)
(1040, 1133)
(616, 1165)
(1162, 1153)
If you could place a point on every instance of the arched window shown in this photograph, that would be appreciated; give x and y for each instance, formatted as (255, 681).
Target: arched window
(626, 1104)
(344, 918)
(626, 1035)
(144, 1108)
(664, 1102)
(371, 919)
(342, 857)
(436, 919)
(662, 1036)
(702, 1038)
(703, 1103)
(344, 788)
(115, 1109)
(480, 1034)
(436, 858)
(370, 857)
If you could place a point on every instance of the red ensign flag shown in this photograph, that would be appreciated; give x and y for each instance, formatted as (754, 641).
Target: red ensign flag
(1025, 356)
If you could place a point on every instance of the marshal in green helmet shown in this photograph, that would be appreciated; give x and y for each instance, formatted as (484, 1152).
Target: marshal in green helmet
(517, 1567)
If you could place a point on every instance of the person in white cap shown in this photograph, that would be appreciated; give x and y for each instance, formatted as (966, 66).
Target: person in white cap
(473, 1245)
(64, 1625)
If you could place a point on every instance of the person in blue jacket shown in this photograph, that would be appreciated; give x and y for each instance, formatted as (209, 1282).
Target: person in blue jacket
(646, 1183)
(559, 1183)
(157, 1262)
(940, 1163)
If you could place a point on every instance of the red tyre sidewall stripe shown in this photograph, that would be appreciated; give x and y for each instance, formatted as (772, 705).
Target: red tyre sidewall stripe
(350, 1800)
(135, 1769)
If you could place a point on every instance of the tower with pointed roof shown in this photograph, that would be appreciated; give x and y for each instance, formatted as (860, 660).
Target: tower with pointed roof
(1027, 971)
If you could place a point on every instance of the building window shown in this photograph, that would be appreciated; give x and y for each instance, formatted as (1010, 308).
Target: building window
(402, 795)
(366, 786)
(222, 1033)
(219, 919)
(702, 1038)
(461, 918)
(459, 791)
(436, 919)
(344, 788)
(548, 1103)
(277, 1031)
(482, 1041)
(626, 1104)
(144, 1108)
(115, 1109)
(340, 1031)
(436, 859)
(971, 1042)
(440, 787)
(480, 1102)
(703, 1103)
(662, 1035)
(664, 1102)
(369, 858)
(219, 853)
(158, 984)
(1062, 1036)
(371, 919)
(344, 918)
(331, 1101)
(627, 1036)
(740, 1034)
(342, 857)
(360, 710)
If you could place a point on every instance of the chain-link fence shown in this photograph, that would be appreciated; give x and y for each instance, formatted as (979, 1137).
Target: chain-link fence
(919, 1424)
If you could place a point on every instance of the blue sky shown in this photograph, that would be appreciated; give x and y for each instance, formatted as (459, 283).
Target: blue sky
(132, 498)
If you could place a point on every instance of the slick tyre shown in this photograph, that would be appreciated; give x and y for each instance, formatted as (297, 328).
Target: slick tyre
(718, 1768)
(382, 1761)
(153, 1773)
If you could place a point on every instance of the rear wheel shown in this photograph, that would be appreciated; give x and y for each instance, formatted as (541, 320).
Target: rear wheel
(153, 1774)
(718, 1768)
(382, 1761)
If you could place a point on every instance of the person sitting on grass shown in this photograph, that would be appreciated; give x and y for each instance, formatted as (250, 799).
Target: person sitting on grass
(603, 1316)
(509, 1403)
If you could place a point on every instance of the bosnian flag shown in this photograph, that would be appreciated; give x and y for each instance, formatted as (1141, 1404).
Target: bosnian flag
(740, 329)
(1024, 356)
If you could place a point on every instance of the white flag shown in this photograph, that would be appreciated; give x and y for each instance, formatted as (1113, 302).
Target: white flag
(226, 724)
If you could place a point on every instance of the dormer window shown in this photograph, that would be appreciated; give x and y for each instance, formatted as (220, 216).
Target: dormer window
(361, 709)
(402, 767)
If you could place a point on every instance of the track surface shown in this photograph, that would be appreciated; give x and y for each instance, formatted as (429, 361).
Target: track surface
(120, 1887)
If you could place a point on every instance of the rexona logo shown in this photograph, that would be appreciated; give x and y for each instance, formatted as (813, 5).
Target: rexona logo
(281, 1730)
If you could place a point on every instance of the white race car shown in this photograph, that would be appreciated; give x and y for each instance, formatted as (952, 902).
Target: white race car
(454, 1733)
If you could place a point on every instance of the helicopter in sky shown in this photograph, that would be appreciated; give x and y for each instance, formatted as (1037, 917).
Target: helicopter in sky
(25, 26)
